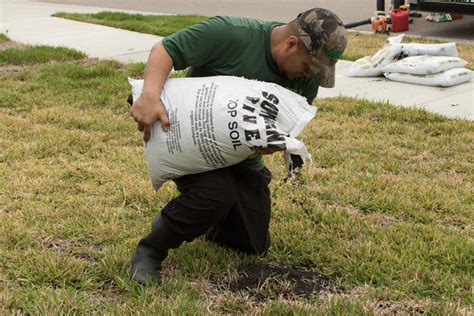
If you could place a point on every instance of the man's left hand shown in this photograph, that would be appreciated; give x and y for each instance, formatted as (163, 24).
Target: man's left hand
(265, 151)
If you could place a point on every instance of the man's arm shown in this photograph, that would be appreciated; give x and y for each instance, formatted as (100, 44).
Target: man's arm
(148, 108)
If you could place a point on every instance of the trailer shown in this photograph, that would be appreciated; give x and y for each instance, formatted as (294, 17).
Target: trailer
(447, 6)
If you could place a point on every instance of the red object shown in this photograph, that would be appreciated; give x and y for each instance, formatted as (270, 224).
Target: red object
(399, 20)
(380, 25)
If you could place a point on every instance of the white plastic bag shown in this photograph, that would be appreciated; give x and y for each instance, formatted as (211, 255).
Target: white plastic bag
(220, 121)
(363, 67)
(446, 78)
(371, 66)
(389, 54)
(415, 49)
(396, 39)
(425, 65)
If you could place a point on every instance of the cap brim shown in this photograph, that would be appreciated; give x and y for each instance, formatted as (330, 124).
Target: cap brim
(323, 72)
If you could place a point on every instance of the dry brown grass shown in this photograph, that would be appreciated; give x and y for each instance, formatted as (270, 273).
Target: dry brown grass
(385, 204)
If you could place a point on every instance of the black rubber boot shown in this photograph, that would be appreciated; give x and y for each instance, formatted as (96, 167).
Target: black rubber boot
(152, 250)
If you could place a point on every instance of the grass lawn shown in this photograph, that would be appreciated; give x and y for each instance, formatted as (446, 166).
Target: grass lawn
(360, 44)
(162, 25)
(383, 216)
(3, 38)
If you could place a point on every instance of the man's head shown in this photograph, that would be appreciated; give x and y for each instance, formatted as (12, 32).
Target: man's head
(310, 46)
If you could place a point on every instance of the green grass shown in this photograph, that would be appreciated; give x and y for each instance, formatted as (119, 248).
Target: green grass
(3, 37)
(38, 55)
(162, 25)
(359, 45)
(385, 209)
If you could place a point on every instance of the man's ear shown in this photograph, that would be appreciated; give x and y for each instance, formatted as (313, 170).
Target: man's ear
(291, 43)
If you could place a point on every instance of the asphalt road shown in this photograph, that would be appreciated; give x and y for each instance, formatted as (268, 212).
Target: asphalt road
(285, 10)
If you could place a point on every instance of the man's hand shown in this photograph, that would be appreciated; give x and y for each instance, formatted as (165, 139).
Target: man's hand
(268, 150)
(265, 151)
(148, 109)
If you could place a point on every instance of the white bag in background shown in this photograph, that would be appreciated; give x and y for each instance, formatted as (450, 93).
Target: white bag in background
(425, 65)
(415, 49)
(394, 51)
(371, 66)
(446, 78)
(389, 54)
(396, 39)
(363, 67)
(220, 121)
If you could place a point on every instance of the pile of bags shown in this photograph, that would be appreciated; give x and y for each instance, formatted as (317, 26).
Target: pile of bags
(425, 64)
(217, 122)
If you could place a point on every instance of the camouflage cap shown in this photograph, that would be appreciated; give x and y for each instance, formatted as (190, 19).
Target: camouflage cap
(323, 34)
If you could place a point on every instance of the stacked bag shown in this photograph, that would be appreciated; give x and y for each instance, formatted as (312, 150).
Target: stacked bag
(425, 64)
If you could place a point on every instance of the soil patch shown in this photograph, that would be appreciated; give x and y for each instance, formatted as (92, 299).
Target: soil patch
(86, 62)
(11, 44)
(263, 282)
(394, 308)
(74, 248)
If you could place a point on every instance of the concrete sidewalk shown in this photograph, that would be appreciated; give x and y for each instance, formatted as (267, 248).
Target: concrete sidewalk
(453, 102)
(31, 23)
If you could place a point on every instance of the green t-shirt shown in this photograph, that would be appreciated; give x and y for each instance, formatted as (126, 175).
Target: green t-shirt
(232, 46)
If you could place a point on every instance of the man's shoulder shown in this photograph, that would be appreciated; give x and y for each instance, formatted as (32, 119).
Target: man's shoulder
(235, 21)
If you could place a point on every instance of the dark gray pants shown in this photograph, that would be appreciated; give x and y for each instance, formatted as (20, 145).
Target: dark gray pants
(230, 205)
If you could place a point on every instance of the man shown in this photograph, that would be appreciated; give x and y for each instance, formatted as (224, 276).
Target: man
(230, 205)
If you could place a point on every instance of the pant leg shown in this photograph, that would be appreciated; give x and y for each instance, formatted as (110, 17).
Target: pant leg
(205, 199)
(246, 227)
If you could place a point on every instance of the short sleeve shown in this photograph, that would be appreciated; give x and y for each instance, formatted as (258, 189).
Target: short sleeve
(198, 44)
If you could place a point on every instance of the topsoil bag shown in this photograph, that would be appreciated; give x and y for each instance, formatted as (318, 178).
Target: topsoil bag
(371, 66)
(425, 64)
(220, 121)
(395, 50)
(446, 78)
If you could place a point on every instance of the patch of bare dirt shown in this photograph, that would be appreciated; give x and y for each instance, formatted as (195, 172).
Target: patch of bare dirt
(71, 247)
(88, 62)
(263, 282)
(11, 44)
(103, 297)
(348, 209)
(385, 220)
(9, 69)
(379, 307)
(455, 225)
(353, 294)
(399, 308)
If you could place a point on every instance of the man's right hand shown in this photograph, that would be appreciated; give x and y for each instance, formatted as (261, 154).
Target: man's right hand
(148, 109)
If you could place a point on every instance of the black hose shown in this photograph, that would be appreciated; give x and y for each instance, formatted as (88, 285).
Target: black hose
(357, 23)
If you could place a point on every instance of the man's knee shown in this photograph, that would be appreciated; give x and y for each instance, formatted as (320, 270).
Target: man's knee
(213, 190)
(205, 200)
